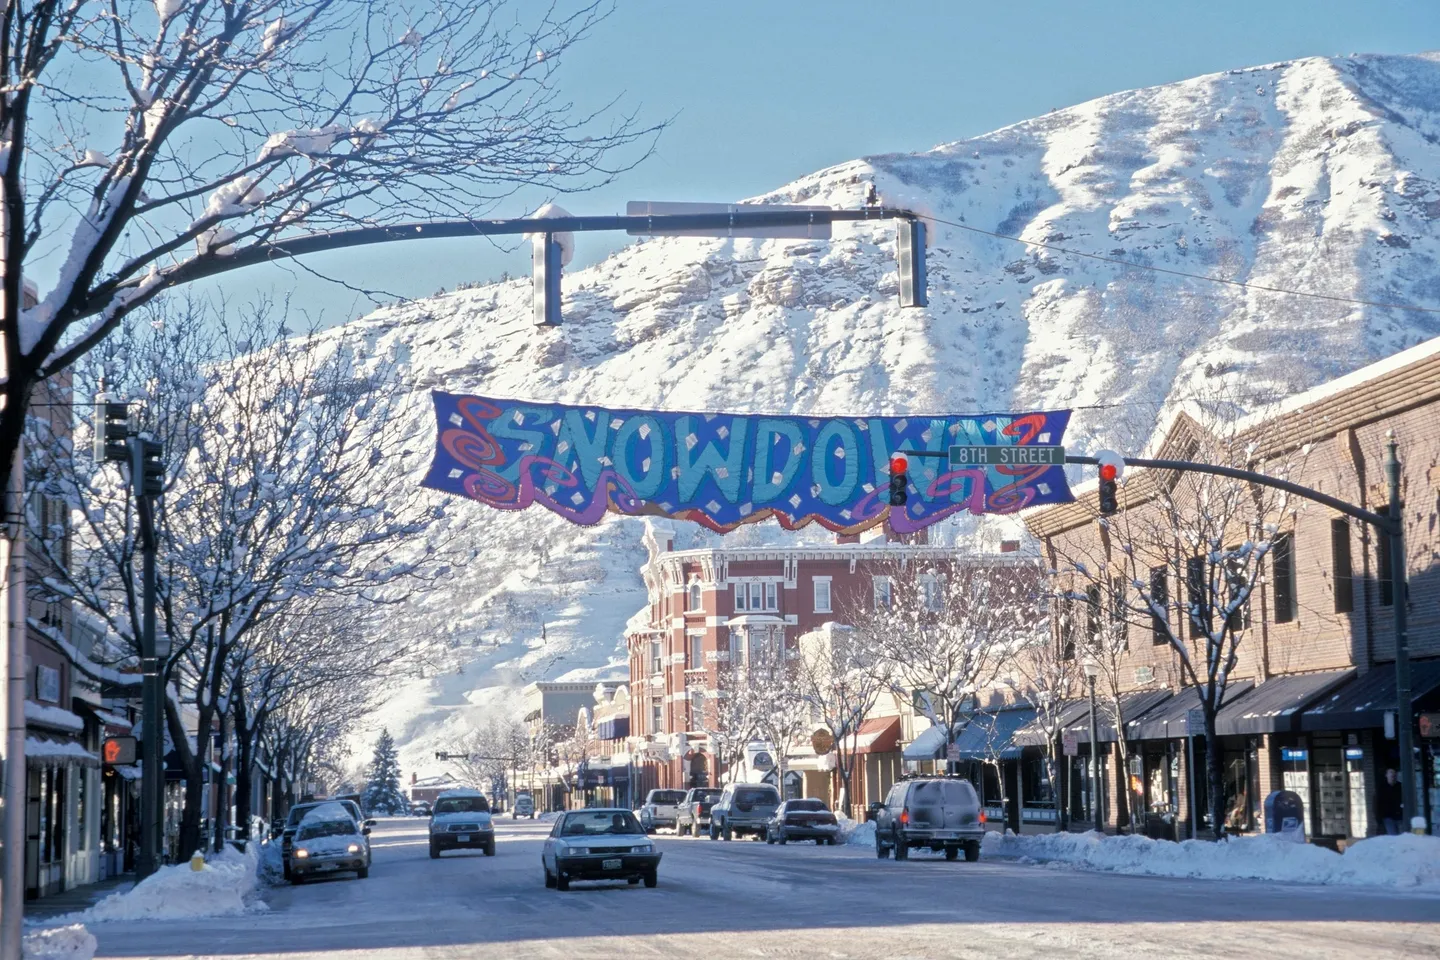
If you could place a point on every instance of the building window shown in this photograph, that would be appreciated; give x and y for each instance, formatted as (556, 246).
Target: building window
(1118, 611)
(737, 646)
(697, 710)
(657, 716)
(1282, 559)
(1094, 616)
(692, 597)
(1236, 582)
(1197, 597)
(822, 594)
(696, 649)
(656, 657)
(772, 595)
(1160, 605)
(930, 594)
(1382, 562)
(883, 593)
(740, 597)
(1340, 563)
(1067, 628)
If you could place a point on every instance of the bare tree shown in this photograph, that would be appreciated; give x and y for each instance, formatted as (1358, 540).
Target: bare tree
(728, 719)
(840, 678)
(1049, 671)
(781, 714)
(160, 142)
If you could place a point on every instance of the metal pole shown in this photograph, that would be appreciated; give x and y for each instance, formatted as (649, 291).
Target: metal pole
(152, 707)
(1096, 796)
(1404, 721)
(1190, 780)
(12, 866)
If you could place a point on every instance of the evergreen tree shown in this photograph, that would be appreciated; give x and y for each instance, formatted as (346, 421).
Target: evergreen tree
(382, 789)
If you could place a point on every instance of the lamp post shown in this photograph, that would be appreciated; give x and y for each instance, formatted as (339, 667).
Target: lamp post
(1097, 790)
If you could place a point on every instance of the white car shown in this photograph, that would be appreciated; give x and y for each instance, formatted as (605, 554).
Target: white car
(660, 809)
(461, 818)
(328, 840)
(598, 843)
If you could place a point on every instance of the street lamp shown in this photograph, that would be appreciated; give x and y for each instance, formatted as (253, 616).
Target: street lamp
(1097, 799)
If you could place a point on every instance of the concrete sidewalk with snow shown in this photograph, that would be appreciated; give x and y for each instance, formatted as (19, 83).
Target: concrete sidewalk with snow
(1407, 862)
(228, 886)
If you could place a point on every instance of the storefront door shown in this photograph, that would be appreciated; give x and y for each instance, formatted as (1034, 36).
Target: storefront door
(1331, 791)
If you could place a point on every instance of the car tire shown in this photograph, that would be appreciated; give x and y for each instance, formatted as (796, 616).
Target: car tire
(714, 833)
(952, 853)
(549, 877)
(490, 849)
(882, 852)
(562, 882)
(727, 833)
(434, 851)
(780, 837)
(972, 851)
(769, 837)
(652, 879)
(902, 851)
(362, 873)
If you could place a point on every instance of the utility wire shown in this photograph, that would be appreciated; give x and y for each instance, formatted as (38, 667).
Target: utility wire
(1181, 273)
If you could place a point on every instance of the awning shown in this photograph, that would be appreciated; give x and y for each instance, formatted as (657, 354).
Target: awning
(927, 746)
(991, 735)
(44, 751)
(613, 728)
(1274, 706)
(1364, 701)
(1132, 705)
(1033, 734)
(754, 619)
(1167, 720)
(880, 735)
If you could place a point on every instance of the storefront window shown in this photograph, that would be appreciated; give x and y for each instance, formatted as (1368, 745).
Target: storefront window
(82, 789)
(1355, 775)
(1296, 766)
(1038, 791)
(1238, 805)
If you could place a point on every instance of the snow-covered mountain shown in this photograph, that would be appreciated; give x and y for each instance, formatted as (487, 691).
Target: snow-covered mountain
(1320, 174)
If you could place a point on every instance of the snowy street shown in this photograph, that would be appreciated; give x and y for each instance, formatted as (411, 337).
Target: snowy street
(797, 900)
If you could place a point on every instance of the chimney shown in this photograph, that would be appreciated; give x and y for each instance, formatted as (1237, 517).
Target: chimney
(1009, 546)
(412, 778)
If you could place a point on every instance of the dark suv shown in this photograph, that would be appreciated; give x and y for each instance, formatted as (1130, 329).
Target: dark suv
(743, 808)
(693, 814)
(935, 813)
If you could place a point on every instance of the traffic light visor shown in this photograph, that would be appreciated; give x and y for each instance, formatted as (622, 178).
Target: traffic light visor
(899, 464)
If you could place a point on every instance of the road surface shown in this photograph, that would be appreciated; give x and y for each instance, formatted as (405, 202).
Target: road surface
(746, 899)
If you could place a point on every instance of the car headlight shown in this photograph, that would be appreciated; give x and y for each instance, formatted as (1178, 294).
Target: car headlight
(580, 851)
(301, 853)
(354, 848)
(643, 848)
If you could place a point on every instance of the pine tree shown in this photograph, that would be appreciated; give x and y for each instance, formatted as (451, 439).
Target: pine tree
(382, 789)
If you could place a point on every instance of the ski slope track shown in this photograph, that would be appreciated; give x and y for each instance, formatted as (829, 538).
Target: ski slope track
(1318, 174)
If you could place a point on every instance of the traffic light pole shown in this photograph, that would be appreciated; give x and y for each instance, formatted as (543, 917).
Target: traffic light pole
(1391, 524)
(152, 705)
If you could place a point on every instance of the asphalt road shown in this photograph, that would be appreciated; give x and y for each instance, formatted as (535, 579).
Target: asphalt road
(720, 900)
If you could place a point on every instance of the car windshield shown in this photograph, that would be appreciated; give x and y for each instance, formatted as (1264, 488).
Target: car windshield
(599, 823)
(476, 804)
(666, 796)
(805, 805)
(325, 828)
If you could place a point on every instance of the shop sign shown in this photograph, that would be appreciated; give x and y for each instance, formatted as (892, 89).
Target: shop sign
(1292, 755)
(1072, 745)
(47, 684)
(1430, 725)
(822, 742)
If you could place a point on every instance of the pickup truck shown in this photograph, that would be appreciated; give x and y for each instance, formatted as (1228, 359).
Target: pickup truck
(693, 815)
(660, 809)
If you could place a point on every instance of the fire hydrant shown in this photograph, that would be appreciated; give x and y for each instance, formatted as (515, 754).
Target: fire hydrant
(197, 862)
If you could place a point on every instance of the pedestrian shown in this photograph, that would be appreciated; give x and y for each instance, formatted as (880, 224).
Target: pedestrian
(1389, 803)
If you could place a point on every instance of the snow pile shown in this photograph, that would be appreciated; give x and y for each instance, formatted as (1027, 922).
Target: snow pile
(271, 868)
(225, 888)
(856, 833)
(1407, 861)
(59, 943)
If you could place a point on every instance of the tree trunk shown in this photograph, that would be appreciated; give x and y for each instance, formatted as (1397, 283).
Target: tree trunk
(1215, 776)
(222, 785)
(1053, 769)
(192, 763)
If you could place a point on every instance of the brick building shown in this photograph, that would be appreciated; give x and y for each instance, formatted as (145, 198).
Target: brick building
(1308, 702)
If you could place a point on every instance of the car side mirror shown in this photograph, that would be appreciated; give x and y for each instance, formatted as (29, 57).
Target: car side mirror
(365, 831)
(369, 823)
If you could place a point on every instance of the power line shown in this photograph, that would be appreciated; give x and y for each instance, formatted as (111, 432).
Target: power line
(1181, 273)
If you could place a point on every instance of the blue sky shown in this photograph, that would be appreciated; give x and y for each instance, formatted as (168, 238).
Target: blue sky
(764, 92)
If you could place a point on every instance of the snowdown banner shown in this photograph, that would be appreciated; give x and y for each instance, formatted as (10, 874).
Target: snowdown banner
(724, 469)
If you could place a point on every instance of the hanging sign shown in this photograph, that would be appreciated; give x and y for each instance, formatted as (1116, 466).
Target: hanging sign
(722, 470)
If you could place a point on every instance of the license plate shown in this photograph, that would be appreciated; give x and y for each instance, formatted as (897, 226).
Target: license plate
(328, 866)
(611, 864)
(463, 838)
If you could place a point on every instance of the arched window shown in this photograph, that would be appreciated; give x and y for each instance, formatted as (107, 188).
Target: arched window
(694, 596)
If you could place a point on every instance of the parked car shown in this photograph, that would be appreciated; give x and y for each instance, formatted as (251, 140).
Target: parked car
(328, 840)
(802, 820)
(938, 813)
(659, 809)
(743, 808)
(524, 806)
(461, 819)
(601, 843)
(284, 831)
(420, 808)
(692, 816)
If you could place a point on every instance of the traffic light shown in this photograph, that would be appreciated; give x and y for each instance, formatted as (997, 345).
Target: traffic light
(152, 468)
(112, 430)
(117, 751)
(899, 481)
(1109, 499)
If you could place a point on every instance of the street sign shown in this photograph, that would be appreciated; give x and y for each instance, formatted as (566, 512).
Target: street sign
(1195, 722)
(822, 742)
(1029, 455)
(651, 208)
(1072, 745)
(952, 752)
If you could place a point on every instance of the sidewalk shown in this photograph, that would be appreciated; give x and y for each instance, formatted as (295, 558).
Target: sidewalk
(80, 898)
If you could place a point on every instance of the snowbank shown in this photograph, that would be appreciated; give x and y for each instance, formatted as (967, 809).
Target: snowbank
(225, 888)
(856, 833)
(59, 943)
(1408, 861)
